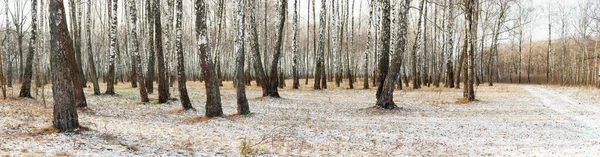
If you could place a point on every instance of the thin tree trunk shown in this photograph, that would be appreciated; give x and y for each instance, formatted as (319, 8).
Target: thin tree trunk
(163, 84)
(79, 95)
(472, 17)
(416, 84)
(75, 32)
(242, 101)
(450, 49)
(26, 86)
(319, 70)
(296, 82)
(272, 92)
(348, 71)
(92, 64)
(151, 58)
(183, 94)
(367, 51)
(135, 50)
(258, 66)
(110, 89)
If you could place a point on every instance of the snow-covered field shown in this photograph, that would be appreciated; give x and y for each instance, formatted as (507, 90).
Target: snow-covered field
(509, 120)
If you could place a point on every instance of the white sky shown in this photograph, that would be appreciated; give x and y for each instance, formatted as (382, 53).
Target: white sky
(539, 25)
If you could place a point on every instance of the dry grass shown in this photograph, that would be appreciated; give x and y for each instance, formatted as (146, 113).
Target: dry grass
(198, 119)
(305, 122)
(46, 130)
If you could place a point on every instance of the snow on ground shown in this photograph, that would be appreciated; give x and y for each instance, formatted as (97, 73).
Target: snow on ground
(509, 120)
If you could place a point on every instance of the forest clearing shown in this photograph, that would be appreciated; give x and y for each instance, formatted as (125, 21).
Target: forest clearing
(507, 120)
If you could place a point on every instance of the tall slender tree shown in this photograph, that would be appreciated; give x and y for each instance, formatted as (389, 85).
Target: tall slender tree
(76, 35)
(242, 102)
(213, 95)
(258, 66)
(92, 64)
(26, 86)
(449, 82)
(276, 56)
(319, 70)
(151, 56)
(135, 50)
(296, 82)
(416, 45)
(472, 16)
(163, 84)
(110, 87)
(183, 94)
(368, 47)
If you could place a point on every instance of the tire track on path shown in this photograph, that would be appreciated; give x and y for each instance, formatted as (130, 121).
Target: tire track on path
(568, 108)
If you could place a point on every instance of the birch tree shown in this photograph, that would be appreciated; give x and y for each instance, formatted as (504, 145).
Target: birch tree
(26, 85)
(472, 16)
(368, 47)
(295, 78)
(384, 58)
(135, 50)
(92, 64)
(110, 87)
(258, 66)
(416, 45)
(319, 68)
(163, 86)
(213, 95)
(272, 92)
(183, 94)
(450, 46)
(386, 100)
(242, 101)
(151, 56)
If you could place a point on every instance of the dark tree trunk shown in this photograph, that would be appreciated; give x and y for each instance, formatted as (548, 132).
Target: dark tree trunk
(449, 65)
(26, 86)
(472, 18)
(296, 82)
(163, 84)
(133, 75)
(65, 114)
(151, 57)
(213, 95)
(272, 92)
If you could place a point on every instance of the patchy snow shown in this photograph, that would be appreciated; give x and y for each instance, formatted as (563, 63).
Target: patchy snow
(509, 120)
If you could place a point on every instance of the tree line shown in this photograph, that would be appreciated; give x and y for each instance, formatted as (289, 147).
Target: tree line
(398, 44)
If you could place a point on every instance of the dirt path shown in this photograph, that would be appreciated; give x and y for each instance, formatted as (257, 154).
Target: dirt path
(579, 113)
